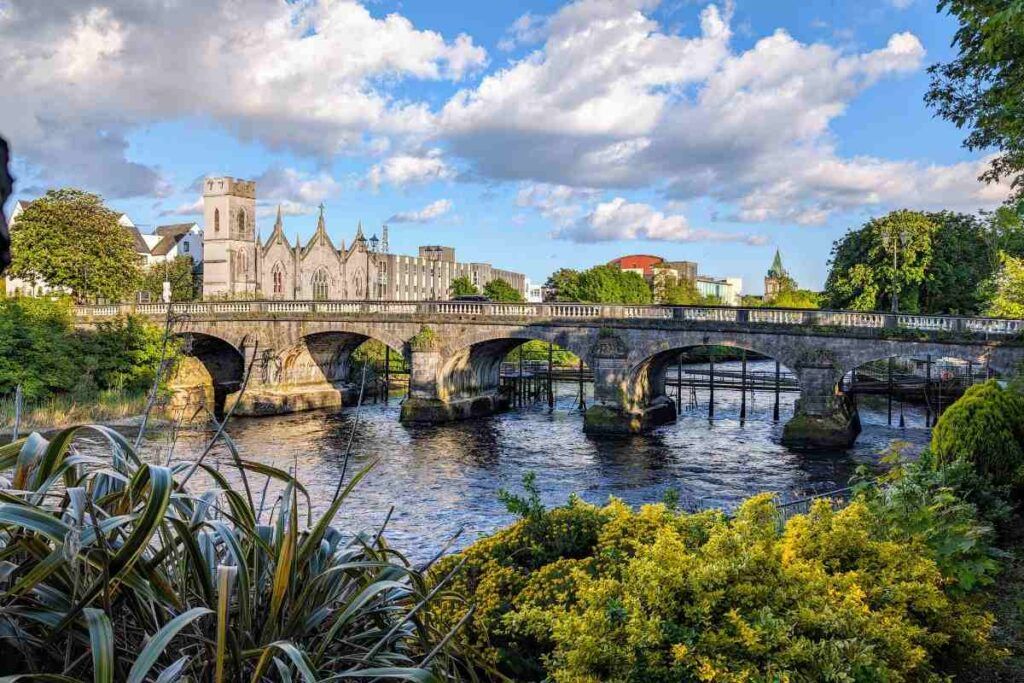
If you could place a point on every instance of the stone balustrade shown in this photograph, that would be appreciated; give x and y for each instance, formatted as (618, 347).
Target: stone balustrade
(577, 311)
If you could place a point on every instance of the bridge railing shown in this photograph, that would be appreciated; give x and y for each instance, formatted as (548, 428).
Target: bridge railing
(578, 311)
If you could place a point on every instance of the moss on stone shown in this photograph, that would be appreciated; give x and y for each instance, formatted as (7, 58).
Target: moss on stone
(425, 340)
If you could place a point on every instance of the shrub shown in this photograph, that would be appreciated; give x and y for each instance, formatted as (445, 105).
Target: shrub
(654, 595)
(985, 427)
(115, 570)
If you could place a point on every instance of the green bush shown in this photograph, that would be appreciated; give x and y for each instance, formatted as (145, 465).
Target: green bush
(42, 351)
(986, 428)
(585, 594)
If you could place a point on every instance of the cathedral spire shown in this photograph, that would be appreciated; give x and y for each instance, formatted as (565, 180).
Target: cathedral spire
(278, 224)
(777, 270)
(359, 232)
(320, 226)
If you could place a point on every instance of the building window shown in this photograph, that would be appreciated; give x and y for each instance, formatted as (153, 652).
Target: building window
(184, 247)
(241, 223)
(216, 220)
(278, 278)
(320, 285)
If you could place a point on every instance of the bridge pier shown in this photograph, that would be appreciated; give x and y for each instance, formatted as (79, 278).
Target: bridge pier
(824, 418)
(446, 389)
(619, 407)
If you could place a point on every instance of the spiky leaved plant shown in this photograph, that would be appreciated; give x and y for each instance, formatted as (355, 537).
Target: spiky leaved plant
(112, 569)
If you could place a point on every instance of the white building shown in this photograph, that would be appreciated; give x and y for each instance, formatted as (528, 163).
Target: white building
(534, 292)
(165, 244)
(727, 290)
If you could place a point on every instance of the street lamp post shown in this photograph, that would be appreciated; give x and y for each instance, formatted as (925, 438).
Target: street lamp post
(898, 240)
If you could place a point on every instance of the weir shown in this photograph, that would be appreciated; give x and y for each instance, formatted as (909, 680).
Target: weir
(454, 350)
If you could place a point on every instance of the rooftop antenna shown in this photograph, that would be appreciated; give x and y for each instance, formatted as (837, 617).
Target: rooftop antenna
(384, 240)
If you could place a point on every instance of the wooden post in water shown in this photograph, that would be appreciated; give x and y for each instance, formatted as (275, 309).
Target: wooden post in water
(970, 374)
(679, 383)
(520, 392)
(889, 392)
(927, 391)
(583, 405)
(711, 386)
(775, 409)
(387, 373)
(743, 386)
(551, 386)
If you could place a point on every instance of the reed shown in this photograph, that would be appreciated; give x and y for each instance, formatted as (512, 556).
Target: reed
(113, 569)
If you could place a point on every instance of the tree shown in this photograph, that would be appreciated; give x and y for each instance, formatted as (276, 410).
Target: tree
(611, 285)
(500, 290)
(887, 255)
(982, 89)
(1008, 299)
(462, 286)
(180, 272)
(681, 292)
(69, 239)
(962, 258)
(565, 284)
(796, 298)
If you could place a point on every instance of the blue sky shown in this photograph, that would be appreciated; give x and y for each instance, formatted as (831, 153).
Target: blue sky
(530, 134)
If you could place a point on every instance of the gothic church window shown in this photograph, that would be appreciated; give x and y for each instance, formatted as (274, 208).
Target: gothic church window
(216, 220)
(278, 276)
(320, 284)
(241, 223)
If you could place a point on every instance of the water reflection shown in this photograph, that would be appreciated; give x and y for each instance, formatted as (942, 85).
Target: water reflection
(442, 478)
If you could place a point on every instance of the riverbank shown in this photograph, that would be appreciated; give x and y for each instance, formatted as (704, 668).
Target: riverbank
(112, 409)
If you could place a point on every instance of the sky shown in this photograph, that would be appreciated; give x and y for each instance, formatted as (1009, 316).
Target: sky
(532, 134)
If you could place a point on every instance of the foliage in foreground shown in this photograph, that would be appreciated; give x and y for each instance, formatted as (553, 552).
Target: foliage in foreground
(875, 591)
(113, 570)
(41, 350)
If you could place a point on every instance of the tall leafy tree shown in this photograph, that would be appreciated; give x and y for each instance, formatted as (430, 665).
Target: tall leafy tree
(681, 292)
(500, 290)
(962, 259)
(982, 89)
(565, 284)
(1008, 299)
(888, 256)
(67, 238)
(181, 273)
(611, 285)
(462, 286)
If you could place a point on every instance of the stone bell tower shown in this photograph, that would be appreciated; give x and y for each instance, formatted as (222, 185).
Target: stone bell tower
(229, 238)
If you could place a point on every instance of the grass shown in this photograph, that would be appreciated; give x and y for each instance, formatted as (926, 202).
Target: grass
(56, 412)
(114, 569)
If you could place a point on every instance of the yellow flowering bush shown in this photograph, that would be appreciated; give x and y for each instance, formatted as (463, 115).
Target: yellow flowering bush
(654, 595)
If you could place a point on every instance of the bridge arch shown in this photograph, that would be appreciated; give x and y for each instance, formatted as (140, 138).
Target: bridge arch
(222, 363)
(323, 356)
(471, 367)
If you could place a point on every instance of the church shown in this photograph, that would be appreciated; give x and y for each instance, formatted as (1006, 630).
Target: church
(238, 264)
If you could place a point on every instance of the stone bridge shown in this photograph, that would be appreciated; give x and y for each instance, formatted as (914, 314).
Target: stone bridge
(295, 351)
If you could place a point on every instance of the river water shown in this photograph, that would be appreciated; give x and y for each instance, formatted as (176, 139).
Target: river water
(441, 479)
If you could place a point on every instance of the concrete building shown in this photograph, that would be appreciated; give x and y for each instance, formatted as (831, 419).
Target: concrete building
(661, 274)
(534, 292)
(727, 290)
(239, 265)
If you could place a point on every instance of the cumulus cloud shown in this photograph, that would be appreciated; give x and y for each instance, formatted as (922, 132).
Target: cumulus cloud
(428, 213)
(560, 204)
(301, 192)
(619, 219)
(314, 77)
(611, 100)
(408, 169)
(188, 209)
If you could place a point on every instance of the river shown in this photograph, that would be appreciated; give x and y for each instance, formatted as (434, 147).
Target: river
(444, 478)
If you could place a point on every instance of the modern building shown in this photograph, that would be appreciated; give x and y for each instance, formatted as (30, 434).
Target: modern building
(661, 274)
(534, 292)
(777, 279)
(238, 263)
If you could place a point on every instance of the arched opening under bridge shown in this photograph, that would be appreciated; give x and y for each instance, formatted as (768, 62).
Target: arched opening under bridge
(207, 372)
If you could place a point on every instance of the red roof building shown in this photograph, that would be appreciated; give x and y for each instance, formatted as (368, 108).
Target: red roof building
(640, 263)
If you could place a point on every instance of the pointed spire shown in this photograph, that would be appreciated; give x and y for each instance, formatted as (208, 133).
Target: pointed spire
(359, 232)
(278, 223)
(777, 269)
(320, 226)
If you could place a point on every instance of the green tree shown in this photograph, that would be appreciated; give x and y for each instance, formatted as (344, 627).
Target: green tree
(565, 283)
(681, 292)
(981, 90)
(181, 273)
(1008, 286)
(962, 258)
(611, 285)
(37, 346)
(796, 298)
(887, 255)
(67, 238)
(462, 286)
(500, 290)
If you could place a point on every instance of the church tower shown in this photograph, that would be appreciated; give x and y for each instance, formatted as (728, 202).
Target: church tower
(229, 238)
(777, 279)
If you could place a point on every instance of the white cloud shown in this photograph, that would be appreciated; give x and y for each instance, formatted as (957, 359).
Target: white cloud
(407, 169)
(428, 213)
(619, 219)
(610, 100)
(317, 78)
(560, 204)
(190, 209)
(296, 192)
